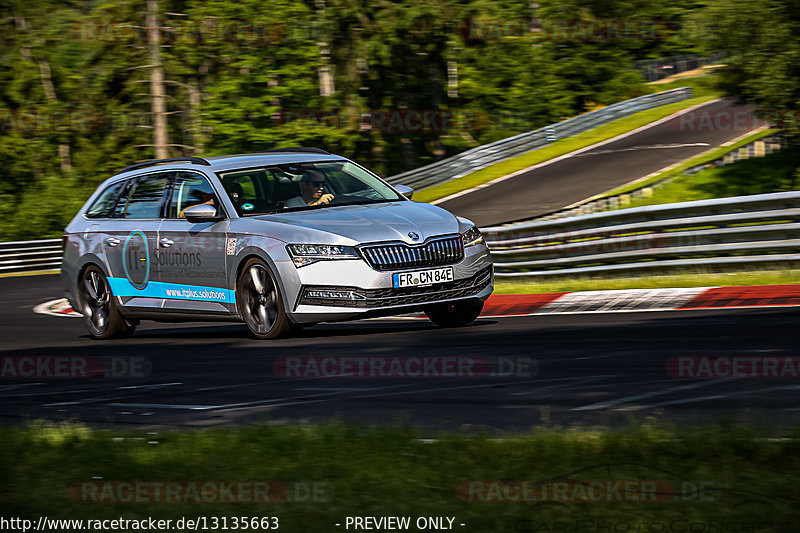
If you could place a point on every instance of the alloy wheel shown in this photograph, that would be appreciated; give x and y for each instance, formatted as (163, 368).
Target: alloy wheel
(96, 301)
(260, 299)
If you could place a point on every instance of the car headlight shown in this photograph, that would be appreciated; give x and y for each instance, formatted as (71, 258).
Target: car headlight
(472, 236)
(306, 254)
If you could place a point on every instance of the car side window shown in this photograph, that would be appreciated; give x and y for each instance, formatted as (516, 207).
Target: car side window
(122, 199)
(257, 190)
(145, 198)
(107, 199)
(241, 188)
(189, 190)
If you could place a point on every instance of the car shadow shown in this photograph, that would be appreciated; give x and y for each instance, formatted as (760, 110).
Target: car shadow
(237, 331)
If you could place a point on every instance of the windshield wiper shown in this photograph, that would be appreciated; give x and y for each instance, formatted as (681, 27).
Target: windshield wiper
(362, 202)
(311, 207)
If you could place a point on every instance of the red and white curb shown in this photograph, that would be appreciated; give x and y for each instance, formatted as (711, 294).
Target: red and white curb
(619, 301)
(58, 307)
(632, 300)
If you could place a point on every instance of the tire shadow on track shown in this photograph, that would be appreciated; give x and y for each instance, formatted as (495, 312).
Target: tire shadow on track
(683, 330)
(196, 332)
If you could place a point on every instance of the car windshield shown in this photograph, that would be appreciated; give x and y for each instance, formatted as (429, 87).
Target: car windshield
(301, 186)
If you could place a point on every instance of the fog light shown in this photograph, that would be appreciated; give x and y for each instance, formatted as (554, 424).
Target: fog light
(327, 294)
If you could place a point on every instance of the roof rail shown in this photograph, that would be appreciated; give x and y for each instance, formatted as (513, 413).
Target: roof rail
(306, 149)
(195, 160)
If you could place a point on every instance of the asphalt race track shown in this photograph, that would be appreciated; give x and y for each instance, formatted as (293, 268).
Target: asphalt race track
(576, 178)
(598, 369)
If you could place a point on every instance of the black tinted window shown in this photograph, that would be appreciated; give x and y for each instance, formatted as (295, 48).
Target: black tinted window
(122, 201)
(145, 198)
(107, 199)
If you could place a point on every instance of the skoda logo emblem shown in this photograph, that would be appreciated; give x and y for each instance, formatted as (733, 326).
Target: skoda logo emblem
(414, 236)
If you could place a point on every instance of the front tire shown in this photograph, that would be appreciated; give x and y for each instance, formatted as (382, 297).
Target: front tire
(260, 302)
(99, 306)
(454, 315)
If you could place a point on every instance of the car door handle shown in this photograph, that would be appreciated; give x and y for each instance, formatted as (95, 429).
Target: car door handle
(166, 243)
(111, 241)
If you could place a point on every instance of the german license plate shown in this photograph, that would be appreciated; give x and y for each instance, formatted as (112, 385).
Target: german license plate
(422, 277)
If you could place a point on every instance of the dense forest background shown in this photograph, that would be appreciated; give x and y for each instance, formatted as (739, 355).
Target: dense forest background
(89, 87)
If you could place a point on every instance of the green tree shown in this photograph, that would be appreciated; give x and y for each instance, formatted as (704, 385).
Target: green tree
(760, 38)
(250, 75)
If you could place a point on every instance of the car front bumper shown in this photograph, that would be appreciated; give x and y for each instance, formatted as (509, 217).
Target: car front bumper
(371, 292)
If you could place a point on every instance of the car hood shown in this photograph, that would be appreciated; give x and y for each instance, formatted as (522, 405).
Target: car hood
(355, 224)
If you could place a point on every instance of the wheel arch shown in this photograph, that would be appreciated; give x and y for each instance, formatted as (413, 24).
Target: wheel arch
(255, 253)
(91, 262)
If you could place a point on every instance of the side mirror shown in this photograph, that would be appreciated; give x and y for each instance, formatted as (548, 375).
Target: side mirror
(201, 213)
(405, 190)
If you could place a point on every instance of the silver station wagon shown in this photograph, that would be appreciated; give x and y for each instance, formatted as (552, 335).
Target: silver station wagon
(279, 240)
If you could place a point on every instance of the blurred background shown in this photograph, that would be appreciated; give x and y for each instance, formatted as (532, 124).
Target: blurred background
(88, 87)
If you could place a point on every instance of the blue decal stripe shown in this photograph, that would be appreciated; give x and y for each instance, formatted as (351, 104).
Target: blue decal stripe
(172, 291)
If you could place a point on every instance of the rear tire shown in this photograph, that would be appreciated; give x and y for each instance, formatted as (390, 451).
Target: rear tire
(454, 315)
(99, 306)
(260, 302)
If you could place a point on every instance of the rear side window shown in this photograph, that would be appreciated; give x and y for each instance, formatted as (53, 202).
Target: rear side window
(107, 199)
(145, 199)
(122, 201)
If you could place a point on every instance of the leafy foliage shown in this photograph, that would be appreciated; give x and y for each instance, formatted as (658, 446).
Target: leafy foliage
(351, 76)
(763, 64)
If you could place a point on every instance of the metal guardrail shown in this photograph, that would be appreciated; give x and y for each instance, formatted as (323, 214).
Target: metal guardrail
(739, 230)
(30, 256)
(656, 69)
(601, 202)
(482, 156)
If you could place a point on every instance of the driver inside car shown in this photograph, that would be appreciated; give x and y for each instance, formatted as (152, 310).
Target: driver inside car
(313, 193)
(201, 198)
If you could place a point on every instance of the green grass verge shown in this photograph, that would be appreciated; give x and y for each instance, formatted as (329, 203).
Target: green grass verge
(685, 279)
(558, 148)
(705, 157)
(775, 172)
(36, 273)
(722, 474)
(702, 85)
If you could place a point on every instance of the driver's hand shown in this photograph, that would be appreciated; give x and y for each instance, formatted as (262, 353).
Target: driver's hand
(324, 199)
